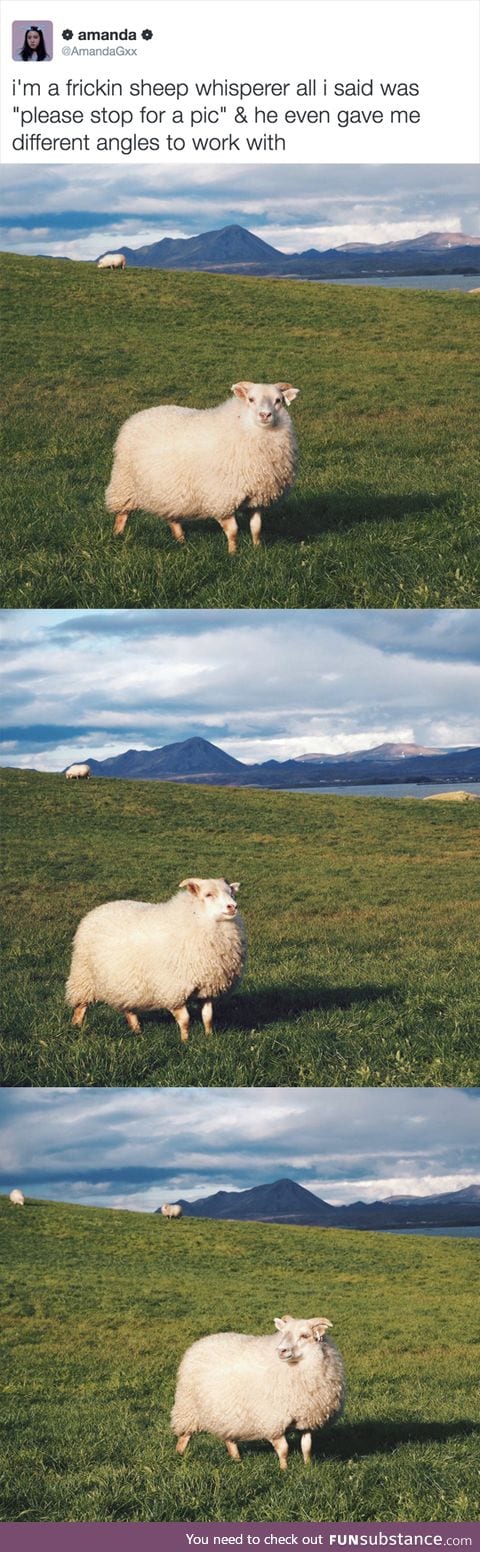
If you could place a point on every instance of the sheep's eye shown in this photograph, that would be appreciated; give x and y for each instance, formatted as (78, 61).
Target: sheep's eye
(251, 399)
(278, 401)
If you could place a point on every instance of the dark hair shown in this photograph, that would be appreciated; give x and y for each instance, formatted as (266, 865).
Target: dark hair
(26, 52)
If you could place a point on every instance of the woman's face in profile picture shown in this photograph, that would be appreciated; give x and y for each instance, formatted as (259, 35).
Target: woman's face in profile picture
(33, 38)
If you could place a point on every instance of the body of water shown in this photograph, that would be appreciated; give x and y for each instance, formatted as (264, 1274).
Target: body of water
(410, 282)
(472, 1231)
(392, 789)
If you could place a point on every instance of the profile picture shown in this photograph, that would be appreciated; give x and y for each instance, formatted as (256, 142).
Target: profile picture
(32, 41)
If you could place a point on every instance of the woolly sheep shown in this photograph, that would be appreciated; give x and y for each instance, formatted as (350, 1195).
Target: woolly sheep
(17, 1198)
(112, 261)
(184, 463)
(77, 772)
(135, 955)
(169, 1211)
(256, 1387)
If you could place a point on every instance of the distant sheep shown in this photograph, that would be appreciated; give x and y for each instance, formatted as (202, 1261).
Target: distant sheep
(185, 463)
(134, 955)
(256, 1387)
(78, 772)
(17, 1198)
(169, 1211)
(112, 261)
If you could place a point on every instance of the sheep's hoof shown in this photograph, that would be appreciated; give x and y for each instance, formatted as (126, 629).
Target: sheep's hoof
(233, 1449)
(133, 1023)
(177, 533)
(120, 523)
(79, 1014)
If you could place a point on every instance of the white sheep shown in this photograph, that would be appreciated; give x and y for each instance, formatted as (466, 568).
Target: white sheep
(134, 955)
(17, 1198)
(256, 1387)
(78, 772)
(171, 1211)
(183, 463)
(112, 261)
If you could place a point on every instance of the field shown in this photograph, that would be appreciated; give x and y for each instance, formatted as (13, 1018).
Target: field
(361, 914)
(99, 1305)
(386, 508)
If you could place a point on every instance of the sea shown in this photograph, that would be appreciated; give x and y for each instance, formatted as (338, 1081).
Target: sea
(472, 1231)
(410, 282)
(392, 789)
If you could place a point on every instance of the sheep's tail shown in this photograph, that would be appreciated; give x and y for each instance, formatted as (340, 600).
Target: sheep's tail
(79, 987)
(183, 1417)
(118, 495)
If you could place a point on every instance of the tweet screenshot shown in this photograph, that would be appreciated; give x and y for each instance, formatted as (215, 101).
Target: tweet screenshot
(240, 775)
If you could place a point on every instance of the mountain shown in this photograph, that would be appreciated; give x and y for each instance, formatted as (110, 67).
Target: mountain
(380, 752)
(235, 250)
(193, 759)
(231, 245)
(284, 1201)
(197, 760)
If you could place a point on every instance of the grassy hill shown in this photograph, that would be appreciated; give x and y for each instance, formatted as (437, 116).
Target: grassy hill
(98, 1307)
(386, 509)
(361, 917)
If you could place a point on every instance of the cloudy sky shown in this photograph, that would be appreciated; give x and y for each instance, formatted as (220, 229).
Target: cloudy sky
(261, 684)
(80, 211)
(138, 1147)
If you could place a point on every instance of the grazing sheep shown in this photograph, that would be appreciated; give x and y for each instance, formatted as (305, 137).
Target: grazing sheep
(169, 1211)
(17, 1198)
(78, 772)
(112, 261)
(183, 463)
(256, 1387)
(133, 955)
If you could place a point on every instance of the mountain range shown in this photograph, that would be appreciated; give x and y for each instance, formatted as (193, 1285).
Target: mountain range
(284, 1201)
(199, 761)
(233, 250)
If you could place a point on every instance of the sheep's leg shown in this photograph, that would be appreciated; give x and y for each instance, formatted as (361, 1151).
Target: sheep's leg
(177, 532)
(306, 1443)
(233, 1449)
(120, 522)
(230, 529)
(79, 1014)
(207, 1017)
(256, 527)
(182, 1442)
(281, 1449)
(133, 1023)
(182, 1017)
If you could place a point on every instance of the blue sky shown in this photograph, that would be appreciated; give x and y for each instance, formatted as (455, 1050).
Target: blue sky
(79, 211)
(262, 684)
(138, 1147)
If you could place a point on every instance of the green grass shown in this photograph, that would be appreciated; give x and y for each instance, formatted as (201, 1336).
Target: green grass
(98, 1307)
(361, 917)
(386, 508)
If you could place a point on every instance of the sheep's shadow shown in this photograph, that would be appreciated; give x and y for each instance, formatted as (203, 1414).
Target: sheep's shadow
(373, 1437)
(383, 1436)
(304, 518)
(336, 511)
(273, 1003)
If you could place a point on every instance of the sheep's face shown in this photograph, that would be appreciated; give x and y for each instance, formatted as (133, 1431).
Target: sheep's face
(264, 402)
(298, 1337)
(215, 895)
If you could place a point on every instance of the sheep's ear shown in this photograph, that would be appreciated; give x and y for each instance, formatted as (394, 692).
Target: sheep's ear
(279, 1323)
(319, 1327)
(235, 888)
(241, 390)
(288, 393)
(193, 884)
